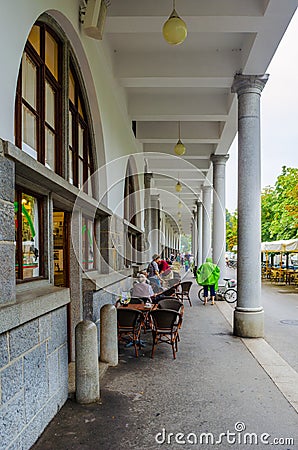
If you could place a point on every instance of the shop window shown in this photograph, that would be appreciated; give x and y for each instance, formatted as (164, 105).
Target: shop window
(28, 226)
(88, 244)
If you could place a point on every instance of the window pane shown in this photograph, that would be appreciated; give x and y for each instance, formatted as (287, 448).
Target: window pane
(51, 55)
(89, 182)
(30, 241)
(70, 166)
(50, 149)
(29, 133)
(71, 88)
(81, 141)
(88, 244)
(34, 38)
(70, 128)
(50, 105)
(80, 174)
(29, 71)
(80, 109)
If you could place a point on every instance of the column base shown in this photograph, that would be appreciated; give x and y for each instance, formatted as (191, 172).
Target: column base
(249, 324)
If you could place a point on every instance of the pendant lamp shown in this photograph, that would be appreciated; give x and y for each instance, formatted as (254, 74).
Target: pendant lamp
(178, 187)
(179, 148)
(174, 30)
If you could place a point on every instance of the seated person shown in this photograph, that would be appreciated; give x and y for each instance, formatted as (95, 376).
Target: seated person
(142, 289)
(144, 272)
(165, 272)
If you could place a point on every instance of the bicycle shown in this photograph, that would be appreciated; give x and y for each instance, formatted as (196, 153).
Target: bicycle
(228, 292)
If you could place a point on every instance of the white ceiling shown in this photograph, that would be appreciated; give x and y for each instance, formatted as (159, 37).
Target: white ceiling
(190, 82)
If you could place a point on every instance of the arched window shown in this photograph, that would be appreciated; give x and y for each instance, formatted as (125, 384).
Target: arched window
(80, 166)
(44, 122)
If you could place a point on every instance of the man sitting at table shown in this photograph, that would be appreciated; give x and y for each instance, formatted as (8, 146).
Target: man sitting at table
(142, 289)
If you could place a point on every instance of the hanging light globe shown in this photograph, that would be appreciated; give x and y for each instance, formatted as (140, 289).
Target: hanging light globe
(179, 148)
(180, 204)
(179, 214)
(178, 187)
(174, 30)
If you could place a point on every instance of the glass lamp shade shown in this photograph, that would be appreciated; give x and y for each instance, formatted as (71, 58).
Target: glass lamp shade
(179, 214)
(180, 204)
(178, 187)
(174, 30)
(179, 148)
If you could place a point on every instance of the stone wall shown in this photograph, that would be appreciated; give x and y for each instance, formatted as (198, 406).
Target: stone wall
(33, 378)
(7, 237)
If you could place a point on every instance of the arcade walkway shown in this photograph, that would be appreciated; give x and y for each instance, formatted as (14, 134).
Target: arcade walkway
(215, 386)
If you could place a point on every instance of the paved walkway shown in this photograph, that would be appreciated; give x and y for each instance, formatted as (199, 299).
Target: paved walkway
(237, 390)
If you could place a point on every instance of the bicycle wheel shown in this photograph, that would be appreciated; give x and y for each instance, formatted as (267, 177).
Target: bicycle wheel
(230, 295)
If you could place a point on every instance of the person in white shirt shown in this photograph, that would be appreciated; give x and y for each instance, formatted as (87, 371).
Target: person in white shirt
(141, 288)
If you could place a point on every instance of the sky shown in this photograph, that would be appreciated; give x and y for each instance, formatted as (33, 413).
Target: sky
(279, 117)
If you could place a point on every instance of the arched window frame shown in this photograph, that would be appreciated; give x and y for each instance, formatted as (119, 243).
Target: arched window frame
(66, 63)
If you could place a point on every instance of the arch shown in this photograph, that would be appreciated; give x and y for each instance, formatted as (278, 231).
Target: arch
(87, 82)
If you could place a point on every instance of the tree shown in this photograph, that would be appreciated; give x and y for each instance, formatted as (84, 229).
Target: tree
(231, 229)
(267, 205)
(280, 207)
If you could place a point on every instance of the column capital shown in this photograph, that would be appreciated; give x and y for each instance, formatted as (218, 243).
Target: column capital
(206, 188)
(219, 159)
(249, 83)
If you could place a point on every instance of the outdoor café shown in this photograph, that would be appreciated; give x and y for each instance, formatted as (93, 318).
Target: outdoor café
(280, 261)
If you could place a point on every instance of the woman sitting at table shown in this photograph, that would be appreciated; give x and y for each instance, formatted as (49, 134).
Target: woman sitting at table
(142, 289)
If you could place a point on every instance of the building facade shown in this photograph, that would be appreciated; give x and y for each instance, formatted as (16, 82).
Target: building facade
(81, 204)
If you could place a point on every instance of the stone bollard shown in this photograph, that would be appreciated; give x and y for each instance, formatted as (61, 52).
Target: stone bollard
(108, 335)
(87, 372)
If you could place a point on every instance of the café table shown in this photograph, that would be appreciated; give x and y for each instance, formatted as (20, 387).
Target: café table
(145, 308)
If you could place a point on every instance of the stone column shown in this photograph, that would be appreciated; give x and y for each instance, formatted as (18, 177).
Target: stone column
(199, 259)
(249, 314)
(154, 237)
(194, 235)
(75, 310)
(147, 214)
(219, 213)
(206, 245)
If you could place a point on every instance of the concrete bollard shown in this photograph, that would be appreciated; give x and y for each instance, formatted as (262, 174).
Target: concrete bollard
(87, 372)
(108, 335)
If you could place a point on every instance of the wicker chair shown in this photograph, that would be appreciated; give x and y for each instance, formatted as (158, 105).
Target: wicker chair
(171, 303)
(184, 292)
(165, 328)
(129, 324)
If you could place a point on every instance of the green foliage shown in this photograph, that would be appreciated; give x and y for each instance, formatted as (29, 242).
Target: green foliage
(280, 207)
(185, 243)
(279, 219)
(231, 230)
